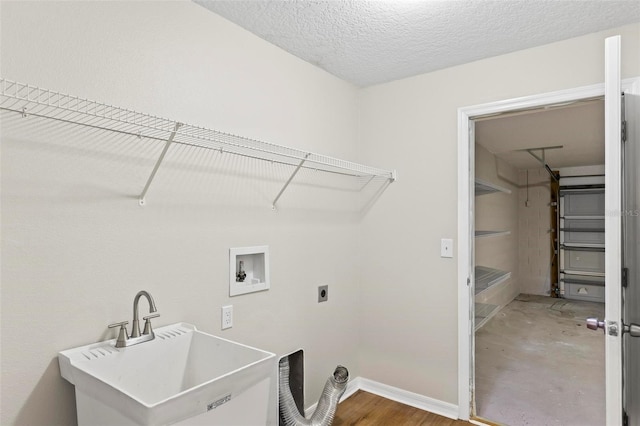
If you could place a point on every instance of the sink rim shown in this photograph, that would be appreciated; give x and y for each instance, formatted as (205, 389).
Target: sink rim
(71, 361)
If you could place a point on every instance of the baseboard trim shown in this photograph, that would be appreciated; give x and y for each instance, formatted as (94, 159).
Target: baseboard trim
(402, 396)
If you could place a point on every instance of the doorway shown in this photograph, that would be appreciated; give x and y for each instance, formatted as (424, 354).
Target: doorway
(466, 215)
(535, 360)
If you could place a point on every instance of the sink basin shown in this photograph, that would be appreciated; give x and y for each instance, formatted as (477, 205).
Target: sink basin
(183, 376)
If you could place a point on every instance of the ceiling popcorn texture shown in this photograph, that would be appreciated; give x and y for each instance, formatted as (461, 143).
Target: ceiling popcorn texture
(371, 42)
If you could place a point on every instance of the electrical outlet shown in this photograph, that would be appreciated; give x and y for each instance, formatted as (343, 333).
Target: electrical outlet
(323, 293)
(227, 317)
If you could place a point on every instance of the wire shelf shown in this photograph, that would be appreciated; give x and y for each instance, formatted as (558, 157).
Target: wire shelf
(34, 101)
(483, 187)
(483, 313)
(487, 277)
(484, 234)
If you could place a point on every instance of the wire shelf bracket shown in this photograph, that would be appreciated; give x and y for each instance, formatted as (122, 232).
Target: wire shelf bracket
(295, 172)
(158, 162)
(29, 100)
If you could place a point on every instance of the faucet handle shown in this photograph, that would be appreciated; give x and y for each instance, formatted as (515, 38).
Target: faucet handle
(119, 324)
(122, 334)
(148, 317)
(147, 323)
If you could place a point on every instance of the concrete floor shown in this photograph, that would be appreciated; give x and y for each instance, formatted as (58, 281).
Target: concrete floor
(538, 364)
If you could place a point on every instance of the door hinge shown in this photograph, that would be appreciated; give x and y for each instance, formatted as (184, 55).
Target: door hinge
(625, 277)
(625, 419)
(624, 131)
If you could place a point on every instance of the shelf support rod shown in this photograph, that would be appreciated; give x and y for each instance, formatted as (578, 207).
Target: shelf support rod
(158, 162)
(367, 182)
(542, 160)
(295, 172)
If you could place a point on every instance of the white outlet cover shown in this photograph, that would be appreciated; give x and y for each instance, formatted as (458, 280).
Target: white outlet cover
(227, 317)
(446, 247)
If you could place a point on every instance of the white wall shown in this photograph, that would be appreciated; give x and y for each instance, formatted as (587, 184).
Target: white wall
(76, 247)
(411, 123)
(535, 224)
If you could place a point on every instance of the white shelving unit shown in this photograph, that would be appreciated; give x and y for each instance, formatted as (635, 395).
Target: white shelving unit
(486, 277)
(581, 248)
(483, 187)
(34, 101)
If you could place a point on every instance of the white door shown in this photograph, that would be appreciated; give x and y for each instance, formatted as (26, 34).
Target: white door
(631, 259)
(621, 245)
(631, 249)
(613, 231)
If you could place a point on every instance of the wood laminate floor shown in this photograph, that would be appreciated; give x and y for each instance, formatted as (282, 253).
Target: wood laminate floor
(364, 408)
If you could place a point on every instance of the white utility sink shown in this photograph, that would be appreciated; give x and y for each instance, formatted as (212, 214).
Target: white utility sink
(183, 376)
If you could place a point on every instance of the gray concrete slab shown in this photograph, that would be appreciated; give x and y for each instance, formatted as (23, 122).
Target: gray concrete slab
(537, 364)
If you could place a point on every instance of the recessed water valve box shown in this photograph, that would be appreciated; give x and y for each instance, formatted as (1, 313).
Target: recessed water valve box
(248, 270)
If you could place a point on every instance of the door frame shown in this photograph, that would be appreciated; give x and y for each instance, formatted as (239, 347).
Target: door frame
(466, 214)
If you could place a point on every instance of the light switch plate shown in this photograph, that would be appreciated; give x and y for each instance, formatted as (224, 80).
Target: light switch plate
(446, 247)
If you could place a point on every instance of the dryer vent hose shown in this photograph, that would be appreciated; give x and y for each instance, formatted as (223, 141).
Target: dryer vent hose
(327, 405)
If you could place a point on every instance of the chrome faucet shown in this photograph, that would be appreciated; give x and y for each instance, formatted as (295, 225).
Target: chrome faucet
(147, 334)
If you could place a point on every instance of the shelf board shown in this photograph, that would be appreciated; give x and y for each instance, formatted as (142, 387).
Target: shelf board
(583, 217)
(483, 313)
(582, 273)
(582, 246)
(582, 189)
(483, 188)
(583, 279)
(486, 277)
(582, 229)
(484, 234)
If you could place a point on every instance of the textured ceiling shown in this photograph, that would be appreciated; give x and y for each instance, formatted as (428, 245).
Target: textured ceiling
(371, 42)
